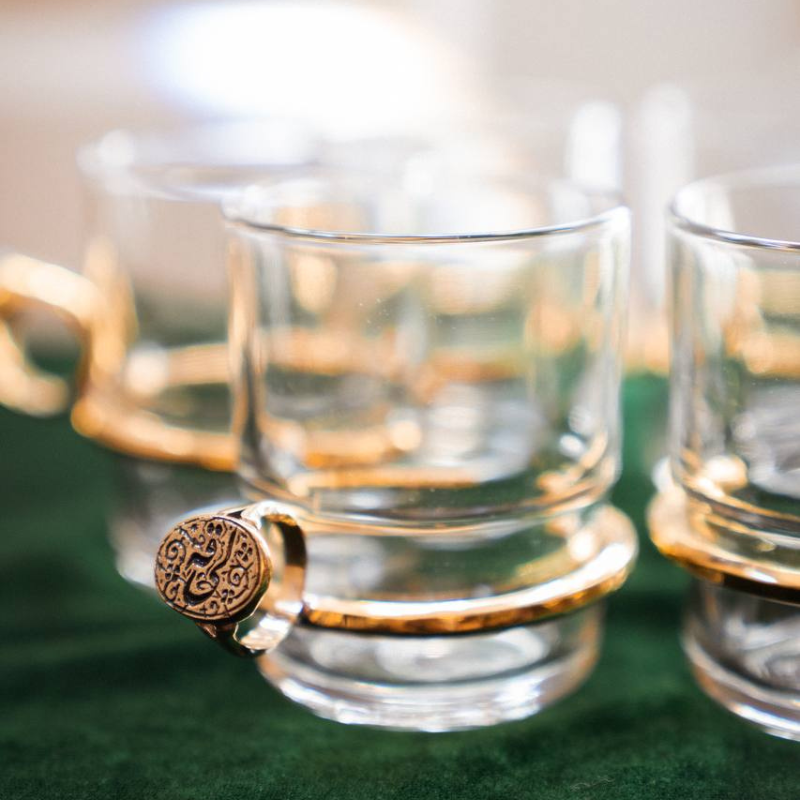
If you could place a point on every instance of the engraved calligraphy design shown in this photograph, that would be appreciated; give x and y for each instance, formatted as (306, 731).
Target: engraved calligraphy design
(212, 569)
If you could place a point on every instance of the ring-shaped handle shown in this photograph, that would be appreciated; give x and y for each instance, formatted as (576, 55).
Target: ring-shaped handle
(194, 564)
(223, 572)
(28, 284)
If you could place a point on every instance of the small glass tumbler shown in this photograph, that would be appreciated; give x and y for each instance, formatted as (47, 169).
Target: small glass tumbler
(427, 383)
(731, 516)
(150, 308)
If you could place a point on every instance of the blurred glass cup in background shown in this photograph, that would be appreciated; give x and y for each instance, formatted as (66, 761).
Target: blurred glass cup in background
(732, 515)
(150, 309)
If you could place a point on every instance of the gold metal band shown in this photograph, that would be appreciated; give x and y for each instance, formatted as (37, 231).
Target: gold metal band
(122, 416)
(217, 570)
(193, 577)
(601, 576)
(675, 535)
(144, 434)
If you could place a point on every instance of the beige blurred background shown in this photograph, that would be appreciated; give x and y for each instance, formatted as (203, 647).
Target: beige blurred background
(71, 70)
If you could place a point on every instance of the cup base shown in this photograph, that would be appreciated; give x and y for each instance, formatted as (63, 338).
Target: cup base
(745, 654)
(436, 683)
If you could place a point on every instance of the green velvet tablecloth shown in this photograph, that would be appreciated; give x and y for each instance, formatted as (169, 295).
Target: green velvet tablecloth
(104, 693)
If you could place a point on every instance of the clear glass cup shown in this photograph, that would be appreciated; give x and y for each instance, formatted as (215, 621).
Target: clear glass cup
(732, 512)
(427, 381)
(151, 310)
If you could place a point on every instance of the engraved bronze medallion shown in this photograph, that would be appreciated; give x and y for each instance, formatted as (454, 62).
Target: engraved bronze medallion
(212, 568)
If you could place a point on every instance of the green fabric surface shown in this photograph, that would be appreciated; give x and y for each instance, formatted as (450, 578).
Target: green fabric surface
(105, 693)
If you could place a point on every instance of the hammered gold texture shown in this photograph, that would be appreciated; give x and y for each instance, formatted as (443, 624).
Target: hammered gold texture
(211, 568)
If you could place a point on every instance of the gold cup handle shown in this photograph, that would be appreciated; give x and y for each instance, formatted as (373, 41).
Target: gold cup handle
(219, 569)
(28, 284)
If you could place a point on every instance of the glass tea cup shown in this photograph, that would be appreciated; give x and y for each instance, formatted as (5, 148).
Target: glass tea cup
(150, 310)
(426, 397)
(731, 514)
